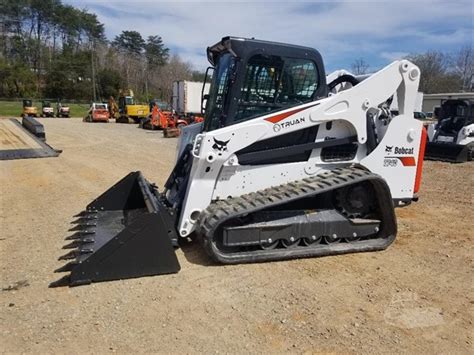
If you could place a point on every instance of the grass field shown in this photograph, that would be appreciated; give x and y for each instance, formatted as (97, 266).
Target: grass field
(14, 108)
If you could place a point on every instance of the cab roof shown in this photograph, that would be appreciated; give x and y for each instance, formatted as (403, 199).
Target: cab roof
(240, 46)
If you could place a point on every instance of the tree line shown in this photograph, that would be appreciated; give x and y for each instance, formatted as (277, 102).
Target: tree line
(440, 72)
(55, 50)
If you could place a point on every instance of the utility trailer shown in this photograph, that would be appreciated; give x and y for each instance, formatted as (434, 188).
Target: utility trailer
(24, 140)
(187, 97)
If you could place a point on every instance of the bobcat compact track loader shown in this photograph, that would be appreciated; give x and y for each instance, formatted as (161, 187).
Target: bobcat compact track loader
(452, 138)
(288, 163)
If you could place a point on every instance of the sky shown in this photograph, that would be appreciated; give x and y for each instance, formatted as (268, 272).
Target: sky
(342, 31)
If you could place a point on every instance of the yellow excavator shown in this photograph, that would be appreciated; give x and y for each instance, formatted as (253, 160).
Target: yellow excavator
(28, 109)
(129, 111)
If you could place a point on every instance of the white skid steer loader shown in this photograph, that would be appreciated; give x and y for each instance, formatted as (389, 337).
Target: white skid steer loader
(452, 137)
(285, 165)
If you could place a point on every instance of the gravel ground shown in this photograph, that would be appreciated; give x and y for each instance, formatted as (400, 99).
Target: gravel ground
(417, 296)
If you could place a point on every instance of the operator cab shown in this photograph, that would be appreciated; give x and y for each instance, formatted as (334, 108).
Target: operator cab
(125, 101)
(455, 114)
(99, 106)
(253, 78)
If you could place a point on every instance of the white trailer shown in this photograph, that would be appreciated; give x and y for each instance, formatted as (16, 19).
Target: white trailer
(187, 96)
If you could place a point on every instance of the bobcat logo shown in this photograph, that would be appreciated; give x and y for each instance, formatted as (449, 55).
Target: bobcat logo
(220, 145)
(388, 149)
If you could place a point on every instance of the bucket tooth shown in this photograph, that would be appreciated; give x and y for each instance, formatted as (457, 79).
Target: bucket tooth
(79, 242)
(71, 255)
(83, 220)
(86, 214)
(73, 245)
(79, 235)
(74, 236)
(64, 281)
(83, 227)
(83, 214)
(80, 214)
(68, 267)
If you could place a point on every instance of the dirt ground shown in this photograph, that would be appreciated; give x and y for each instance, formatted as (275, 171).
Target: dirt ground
(417, 296)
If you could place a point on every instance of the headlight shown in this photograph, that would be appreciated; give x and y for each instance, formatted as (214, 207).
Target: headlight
(197, 145)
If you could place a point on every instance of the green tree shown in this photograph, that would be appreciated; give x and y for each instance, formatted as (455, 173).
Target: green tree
(129, 42)
(155, 52)
(110, 82)
(91, 26)
(436, 73)
(197, 75)
(16, 80)
(70, 76)
(48, 48)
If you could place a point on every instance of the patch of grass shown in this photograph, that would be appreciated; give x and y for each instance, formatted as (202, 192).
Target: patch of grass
(14, 108)
(10, 108)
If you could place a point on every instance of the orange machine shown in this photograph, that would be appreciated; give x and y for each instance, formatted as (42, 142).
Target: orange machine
(97, 113)
(161, 119)
(195, 119)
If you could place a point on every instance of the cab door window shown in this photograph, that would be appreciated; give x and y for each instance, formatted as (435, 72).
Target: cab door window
(274, 83)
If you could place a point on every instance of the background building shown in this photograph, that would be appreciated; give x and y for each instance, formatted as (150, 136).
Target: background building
(431, 101)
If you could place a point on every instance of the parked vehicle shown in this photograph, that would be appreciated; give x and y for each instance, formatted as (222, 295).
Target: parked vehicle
(98, 112)
(452, 137)
(129, 110)
(62, 110)
(187, 99)
(281, 170)
(162, 117)
(46, 109)
(28, 109)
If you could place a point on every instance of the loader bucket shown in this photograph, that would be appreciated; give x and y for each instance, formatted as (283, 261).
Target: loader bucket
(126, 232)
(454, 153)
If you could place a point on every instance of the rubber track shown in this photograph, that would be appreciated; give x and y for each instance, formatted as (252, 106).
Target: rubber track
(221, 211)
